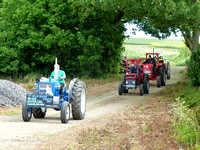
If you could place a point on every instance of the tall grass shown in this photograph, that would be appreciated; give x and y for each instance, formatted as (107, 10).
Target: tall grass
(186, 125)
(177, 60)
(184, 51)
(186, 113)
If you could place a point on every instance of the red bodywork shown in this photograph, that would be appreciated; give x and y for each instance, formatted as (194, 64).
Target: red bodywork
(153, 69)
(134, 76)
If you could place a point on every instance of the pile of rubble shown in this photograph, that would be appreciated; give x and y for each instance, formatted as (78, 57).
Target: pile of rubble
(11, 94)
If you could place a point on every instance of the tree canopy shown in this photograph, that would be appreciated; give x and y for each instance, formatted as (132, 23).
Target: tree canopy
(85, 35)
(160, 18)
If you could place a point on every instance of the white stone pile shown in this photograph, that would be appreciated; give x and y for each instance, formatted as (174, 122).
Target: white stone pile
(11, 94)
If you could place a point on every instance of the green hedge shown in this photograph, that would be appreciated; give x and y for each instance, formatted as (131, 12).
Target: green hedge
(194, 68)
(85, 36)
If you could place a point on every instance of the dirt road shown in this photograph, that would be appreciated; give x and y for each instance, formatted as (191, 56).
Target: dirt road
(16, 134)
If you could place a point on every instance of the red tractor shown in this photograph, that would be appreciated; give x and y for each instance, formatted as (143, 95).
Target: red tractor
(157, 68)
(134, 77)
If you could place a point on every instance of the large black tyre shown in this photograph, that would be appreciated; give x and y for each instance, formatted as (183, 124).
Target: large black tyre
(26, 112)
(38, 112)
(120, 89)
(146, 84)
(162, 74)
(65, 112)
(141, 90)
(78, 100)
(168, 71)
(124, 83)
(158, 82)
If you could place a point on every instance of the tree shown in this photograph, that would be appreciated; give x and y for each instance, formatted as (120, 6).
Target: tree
(86, 36)
(160, 17)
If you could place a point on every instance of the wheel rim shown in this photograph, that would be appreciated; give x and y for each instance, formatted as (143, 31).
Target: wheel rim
(83, 101)
(43, 109)
(67, 113)
(29, 112)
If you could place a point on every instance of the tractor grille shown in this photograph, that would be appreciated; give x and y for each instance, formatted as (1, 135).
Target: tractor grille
(130, 82)
(43, 87)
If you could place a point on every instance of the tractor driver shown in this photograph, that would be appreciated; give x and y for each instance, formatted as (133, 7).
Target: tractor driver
(149, 60)
(61, 77)
(133, 68)
(161, 58)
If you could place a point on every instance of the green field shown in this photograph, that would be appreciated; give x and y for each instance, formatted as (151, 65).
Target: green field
(174, 50)
(143, 41)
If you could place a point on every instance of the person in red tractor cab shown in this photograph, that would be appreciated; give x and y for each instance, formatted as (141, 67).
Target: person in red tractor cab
(149, 60)
(133, 68)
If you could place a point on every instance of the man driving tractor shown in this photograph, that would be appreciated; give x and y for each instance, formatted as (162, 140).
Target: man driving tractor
(149, 60)
(61, 77)
(133, 68)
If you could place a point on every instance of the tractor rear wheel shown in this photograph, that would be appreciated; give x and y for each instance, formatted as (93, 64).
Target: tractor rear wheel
(162, 74)
(141, 90)
(158, 82)
(78, 100)
(39, 112)
(146, 84)
(120, 89)
(168, 71)
(65, 112)
(26, 112)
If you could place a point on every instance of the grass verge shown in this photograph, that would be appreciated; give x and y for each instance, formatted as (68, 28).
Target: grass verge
(10, 111)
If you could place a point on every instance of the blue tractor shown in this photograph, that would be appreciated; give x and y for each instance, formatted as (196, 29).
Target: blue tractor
(46, 94)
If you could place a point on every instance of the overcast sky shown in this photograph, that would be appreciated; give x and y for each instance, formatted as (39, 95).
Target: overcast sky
(141, 34)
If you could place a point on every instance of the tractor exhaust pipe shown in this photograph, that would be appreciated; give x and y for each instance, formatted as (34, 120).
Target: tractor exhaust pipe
(56, 70)
(153, 52)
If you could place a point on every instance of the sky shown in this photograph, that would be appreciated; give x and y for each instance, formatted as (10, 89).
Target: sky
(141, 34)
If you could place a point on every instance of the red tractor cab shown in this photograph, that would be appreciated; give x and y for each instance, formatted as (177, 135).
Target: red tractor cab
(156, 68)
(134, 77)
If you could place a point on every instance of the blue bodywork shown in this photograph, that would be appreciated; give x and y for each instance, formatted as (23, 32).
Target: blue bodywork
(53, 86)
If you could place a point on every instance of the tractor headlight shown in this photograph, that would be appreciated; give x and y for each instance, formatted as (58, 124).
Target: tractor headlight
(126, 82)
(148, 72)
(133, 82)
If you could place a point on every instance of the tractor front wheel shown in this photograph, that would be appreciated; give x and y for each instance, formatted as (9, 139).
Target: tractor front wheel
(141, 90)
(158, 82)
(26, 112)
(146, 84)
(124, 83)
(120, 89)
(65, 112)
